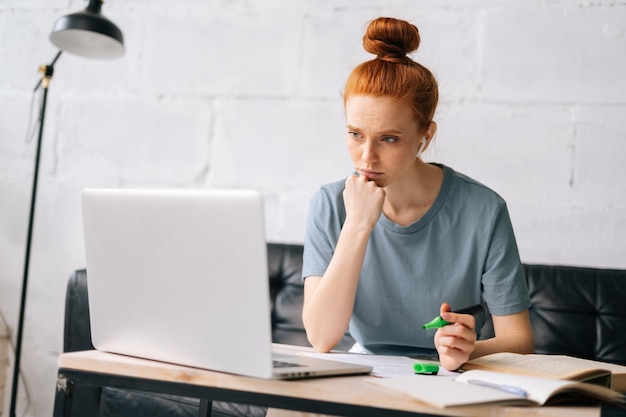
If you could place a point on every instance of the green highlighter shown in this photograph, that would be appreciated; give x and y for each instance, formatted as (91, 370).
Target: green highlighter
(438, 322)
(425, 368)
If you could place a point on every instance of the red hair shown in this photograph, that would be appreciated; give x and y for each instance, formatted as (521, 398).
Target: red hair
(392, 73)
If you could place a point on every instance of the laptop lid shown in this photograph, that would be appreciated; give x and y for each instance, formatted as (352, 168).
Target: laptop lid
(180, 276)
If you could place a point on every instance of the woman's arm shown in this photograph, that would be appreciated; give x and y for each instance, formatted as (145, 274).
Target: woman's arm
(513, 333)
(329, 300)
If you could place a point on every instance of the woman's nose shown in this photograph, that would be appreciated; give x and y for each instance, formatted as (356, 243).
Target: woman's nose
(369, 152)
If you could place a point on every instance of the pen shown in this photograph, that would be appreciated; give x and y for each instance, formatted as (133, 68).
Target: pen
(505, 388)
(438, 322)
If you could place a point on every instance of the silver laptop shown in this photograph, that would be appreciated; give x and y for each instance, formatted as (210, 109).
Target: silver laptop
(180, 276)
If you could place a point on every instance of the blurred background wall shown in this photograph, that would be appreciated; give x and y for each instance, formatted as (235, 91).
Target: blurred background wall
(246, 94)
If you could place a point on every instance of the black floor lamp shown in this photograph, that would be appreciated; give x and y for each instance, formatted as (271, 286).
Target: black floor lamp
(89, 34)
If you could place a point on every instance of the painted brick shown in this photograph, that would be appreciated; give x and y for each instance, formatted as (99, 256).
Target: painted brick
(195, 52)
(555, 52)
(141, 140)
(569, 234)
(278, 144)
(599, 158)
(520, 151)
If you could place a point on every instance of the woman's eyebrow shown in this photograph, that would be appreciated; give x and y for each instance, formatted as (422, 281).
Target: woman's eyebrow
(390, 131)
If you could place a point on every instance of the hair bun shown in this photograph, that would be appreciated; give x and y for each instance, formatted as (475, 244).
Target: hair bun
(387, 37)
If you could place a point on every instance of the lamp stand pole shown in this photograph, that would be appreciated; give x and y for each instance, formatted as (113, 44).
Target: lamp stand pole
(47, 70)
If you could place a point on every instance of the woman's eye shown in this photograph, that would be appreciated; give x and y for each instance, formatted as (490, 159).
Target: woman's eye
(389, 139)
(354, 134)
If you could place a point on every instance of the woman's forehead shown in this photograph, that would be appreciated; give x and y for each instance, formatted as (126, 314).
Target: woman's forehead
(382, 112)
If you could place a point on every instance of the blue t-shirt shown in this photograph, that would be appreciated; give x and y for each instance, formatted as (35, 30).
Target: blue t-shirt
(462, 251)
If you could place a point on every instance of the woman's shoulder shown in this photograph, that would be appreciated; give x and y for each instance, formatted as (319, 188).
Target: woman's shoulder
(468, 188)
(332, 190)
(327, 205)
(329, 195)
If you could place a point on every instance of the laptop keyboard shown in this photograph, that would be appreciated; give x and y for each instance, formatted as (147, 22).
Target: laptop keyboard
(283, 364)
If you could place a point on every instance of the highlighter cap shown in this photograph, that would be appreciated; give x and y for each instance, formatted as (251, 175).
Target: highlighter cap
(436, 323)
(426, 368)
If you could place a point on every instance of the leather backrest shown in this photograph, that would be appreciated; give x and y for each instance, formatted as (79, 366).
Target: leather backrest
(77, 333)
(286, 293)
(578, 311)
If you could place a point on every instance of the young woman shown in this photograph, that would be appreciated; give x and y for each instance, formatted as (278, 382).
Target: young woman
(400, 240)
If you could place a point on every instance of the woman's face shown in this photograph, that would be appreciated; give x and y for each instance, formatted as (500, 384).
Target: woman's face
(383, 137)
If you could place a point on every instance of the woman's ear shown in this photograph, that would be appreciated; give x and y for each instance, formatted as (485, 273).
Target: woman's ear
(422, 146)
(427, 138)
(430, 132)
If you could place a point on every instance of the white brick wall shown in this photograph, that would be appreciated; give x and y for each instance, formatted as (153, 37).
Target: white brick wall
(247, 94)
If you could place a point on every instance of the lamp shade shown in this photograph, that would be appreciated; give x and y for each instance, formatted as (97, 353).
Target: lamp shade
(88, 33)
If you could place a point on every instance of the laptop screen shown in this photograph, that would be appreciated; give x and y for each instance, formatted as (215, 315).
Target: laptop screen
(179, 276)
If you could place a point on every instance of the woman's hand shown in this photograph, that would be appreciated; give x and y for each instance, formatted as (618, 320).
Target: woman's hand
(455, 342)
(363, 201)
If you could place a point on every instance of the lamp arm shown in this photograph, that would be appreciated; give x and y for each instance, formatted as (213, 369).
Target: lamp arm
(48, 71)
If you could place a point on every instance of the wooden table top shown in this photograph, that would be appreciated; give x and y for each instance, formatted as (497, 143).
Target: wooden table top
(352, 390)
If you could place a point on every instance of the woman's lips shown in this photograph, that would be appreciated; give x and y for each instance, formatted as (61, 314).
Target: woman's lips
(370, 175)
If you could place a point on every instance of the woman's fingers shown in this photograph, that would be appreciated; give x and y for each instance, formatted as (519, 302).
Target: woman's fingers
(363, 201)
(455, 342)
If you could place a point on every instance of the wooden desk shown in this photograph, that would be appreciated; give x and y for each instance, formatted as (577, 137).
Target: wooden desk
(346, 396)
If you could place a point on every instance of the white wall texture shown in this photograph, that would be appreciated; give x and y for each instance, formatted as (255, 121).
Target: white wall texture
(246, 93)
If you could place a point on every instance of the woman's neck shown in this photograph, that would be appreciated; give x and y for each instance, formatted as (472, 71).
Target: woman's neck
(408, 200)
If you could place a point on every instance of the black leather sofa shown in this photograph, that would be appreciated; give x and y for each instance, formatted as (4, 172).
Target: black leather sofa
(575, 311)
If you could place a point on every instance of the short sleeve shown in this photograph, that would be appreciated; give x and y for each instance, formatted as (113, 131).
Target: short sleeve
(504, 283)
(323, 226)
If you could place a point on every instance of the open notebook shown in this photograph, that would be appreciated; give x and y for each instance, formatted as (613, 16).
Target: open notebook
(180, 276)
